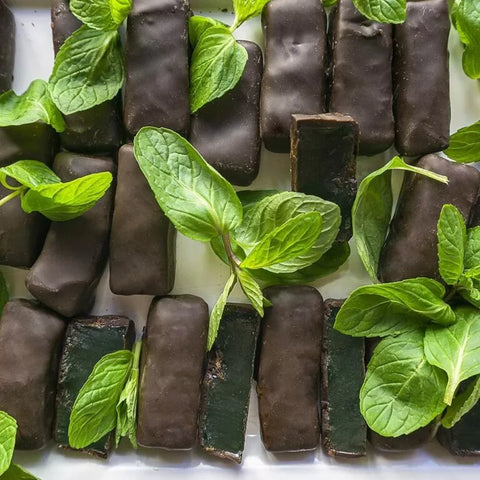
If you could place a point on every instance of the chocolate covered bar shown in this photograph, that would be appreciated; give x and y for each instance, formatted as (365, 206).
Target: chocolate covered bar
(362, 75)
(294, 77)
(98, 129)
(142, 242)
(226, 385)
(410, 249)
(67, 272)
(7, 47)
(344, 432)
(30, 344)
(156, 60)
(421, 79)
(21, 234)
(87, 340)
(227, 132)
(289, 370)
(324, 161)
(171, 372)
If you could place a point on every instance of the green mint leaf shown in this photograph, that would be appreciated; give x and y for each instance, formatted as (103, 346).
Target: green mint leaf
(375, 195)
(4, 296)
(468, 26)
(217, 311)
(293, 238)
(456, 349)
(252, 291)
(94, 411)
(393, 308)
(16, 472)
(329, 3)
(465, 144)
(29, 173)
(402, 391)
(34, 105)
(462, 404)
(64, 201)
(472, 273)
(8, 432)
(101, 14)
(88, 70)
(246, 9)
(216, 67)
(197, 25)
(453, 7)
(472, 248)
(250, 198)
(198, 200)
(452, 236)
(469, 293)
(387, 11)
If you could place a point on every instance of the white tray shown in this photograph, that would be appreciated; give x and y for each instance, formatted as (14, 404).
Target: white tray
(34, 59)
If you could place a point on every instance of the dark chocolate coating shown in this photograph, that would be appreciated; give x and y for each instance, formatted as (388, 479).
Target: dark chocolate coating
(156, 60)
(294, 77)
(410, 249)
(227, 382)
(362, 76)
(171, 373)
(142, 242)
(421, 79)
(289, 370)
(87, 340)
(98, 129)
(73, 258)
(344, 431)
(7, 47)
(21, 234)
(31, 339)
(227, 131)
(324, 161)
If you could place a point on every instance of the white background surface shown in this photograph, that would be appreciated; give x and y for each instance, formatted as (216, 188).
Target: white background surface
(199, 272)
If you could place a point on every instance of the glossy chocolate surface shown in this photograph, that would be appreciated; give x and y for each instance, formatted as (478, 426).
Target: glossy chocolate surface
(7, 47)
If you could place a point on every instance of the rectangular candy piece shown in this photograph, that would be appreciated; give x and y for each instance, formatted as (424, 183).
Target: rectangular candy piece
(96, 130)
(21, 234)
(7, 47)
(156, 60)
(344, 432)
(171, 372)
(227, 131)
(142, 242)
(67, 272)
(30, 344)
(87, 341)
(289, 370)
(324, 161)
(226, 385)
(362, 75)
(294, 79)
(421, 79)
(410, 249)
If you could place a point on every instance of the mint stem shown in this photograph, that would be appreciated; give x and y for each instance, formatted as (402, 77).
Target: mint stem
(235, 25)
(137, 350)
(9, 197)
(234, 260)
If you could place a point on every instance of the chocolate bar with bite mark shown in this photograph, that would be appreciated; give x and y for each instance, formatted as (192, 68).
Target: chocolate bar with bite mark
(31, 338)
(68, 270)
(421, 79)
(227, 132)
(156, 60)
(294, 79)
(362, 75)
(171, 372)
(7, 47)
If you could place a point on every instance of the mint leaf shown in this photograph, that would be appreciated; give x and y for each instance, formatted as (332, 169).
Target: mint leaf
(293, 238)
(462, 404)
(372, 210)
(252, 291)
(472, 248)
(393, 308)
(453, 7)
(64, 201)
(94, 411)
(469, 293)
(250, 198)
(217, 311)
(34, 105)
(217, 65)
(465, 144)
(246, 9)
(199, 201)
(15, 472)
(8, 432)
(101, 14)
(29, 173)
(402, 391)
(387, 11)
(468, 25)
(452, 236)
(88, 70)
(197, 25)
(329, 3)
(456, 349)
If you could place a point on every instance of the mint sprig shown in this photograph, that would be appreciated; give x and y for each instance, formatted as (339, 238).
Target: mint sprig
(465, 144)
(100, 14)
(387, 11)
